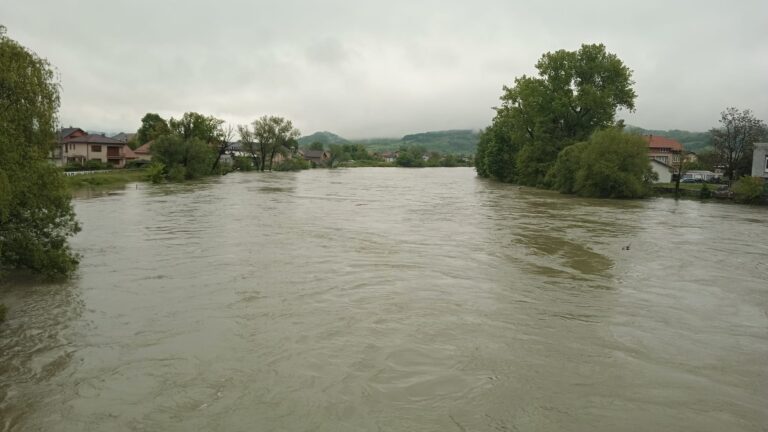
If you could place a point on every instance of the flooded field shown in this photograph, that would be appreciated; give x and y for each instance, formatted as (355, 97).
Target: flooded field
(394, 300)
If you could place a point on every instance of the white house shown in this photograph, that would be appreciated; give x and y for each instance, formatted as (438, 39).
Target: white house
(760, 160)
(663, 170)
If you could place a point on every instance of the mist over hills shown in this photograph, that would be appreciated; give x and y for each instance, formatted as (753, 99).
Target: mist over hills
(464, 141)
(460, 141)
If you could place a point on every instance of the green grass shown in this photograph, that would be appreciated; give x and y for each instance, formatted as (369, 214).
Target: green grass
(111, 178)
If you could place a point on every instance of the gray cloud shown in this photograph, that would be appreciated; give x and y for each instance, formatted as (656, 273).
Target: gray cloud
(383, 68)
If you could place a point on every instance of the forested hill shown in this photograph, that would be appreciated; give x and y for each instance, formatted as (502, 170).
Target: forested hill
(463, 141)
(326, 138)
(691, 141)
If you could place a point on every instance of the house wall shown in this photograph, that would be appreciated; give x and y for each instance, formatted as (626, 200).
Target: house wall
(760, 160)
(669, 158)
(664, 173)
(81, 152)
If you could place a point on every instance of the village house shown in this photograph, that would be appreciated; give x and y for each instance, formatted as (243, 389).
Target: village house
(663, 171)
(317, 157)
(390, 157)
(143, 152)
(664, 150)
(77, 146)
(124, 137)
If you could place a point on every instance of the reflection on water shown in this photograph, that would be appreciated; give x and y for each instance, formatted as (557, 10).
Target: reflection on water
(392, 299)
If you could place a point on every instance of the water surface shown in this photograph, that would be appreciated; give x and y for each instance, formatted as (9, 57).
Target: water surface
(393, 299)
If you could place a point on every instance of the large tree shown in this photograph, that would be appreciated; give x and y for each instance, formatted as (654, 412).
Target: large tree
(152, 127)
(733, 140)
(574, 94)
(36, 215)
(267, 137)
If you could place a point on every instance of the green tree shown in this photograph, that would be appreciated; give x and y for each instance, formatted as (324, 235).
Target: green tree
(611, 164)
(317, 145)
(574, 94)
(152, 127)
(267, 137)
(195, 125)
(734, 138)
(36, 215)
(183, 158)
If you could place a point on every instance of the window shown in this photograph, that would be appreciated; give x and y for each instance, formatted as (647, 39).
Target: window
(96, 148)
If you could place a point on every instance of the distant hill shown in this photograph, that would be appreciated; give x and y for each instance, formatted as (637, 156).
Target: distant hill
(691, 141)
(327, 138)
(463, 141)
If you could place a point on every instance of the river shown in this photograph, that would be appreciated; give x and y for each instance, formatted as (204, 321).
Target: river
(383, 299)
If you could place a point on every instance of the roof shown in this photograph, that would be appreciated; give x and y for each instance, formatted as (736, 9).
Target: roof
(125, 137)
(66, 132)
(144, 148)
(93, 139)
(655, 141)
(129, 154)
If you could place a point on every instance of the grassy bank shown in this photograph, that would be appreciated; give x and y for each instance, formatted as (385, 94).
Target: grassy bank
(110, 178)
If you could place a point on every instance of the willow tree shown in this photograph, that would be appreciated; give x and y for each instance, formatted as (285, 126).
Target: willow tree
(36, 215)
(268, 136)
(575, 94)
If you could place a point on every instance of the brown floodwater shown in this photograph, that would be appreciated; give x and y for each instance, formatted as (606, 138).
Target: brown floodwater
(393, 300)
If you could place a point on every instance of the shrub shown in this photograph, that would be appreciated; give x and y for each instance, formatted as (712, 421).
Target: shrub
(94, 165)
(177, 173)
(749, 190)
(242, 163)
(155, 172)
(705, 192)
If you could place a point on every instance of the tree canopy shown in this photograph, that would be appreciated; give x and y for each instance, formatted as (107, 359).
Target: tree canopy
(574, 94)
(152, 127)
(733, 140)
(36, 215)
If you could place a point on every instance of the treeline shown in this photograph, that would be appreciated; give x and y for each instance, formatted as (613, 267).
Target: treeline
(558, 130)
(195, 144)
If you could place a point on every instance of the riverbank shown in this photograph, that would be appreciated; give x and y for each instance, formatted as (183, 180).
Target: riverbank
(107, 178)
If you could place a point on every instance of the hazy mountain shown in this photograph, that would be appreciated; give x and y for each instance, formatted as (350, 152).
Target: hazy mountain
(326, 138)
(447, 142)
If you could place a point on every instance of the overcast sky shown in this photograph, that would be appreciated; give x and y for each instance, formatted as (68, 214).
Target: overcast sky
(385, 68)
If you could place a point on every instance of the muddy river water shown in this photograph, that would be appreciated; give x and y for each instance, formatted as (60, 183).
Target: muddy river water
(381, 299)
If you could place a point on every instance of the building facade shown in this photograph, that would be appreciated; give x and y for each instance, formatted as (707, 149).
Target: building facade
(760, 160)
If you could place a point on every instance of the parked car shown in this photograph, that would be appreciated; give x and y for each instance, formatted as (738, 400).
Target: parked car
(691, 180)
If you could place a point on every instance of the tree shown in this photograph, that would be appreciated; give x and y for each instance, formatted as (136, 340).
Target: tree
(734, 138)
(317, 145)
(267, 137)
(183, 158)
(223, 138)
(611, 164)
(36, 215)
(196, 125)
(574, 94)
(152, 127)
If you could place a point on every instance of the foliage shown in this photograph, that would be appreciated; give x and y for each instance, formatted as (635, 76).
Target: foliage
(193, 155)
(325, 138)
(734, 138)
(36, 215)
(317, 145)
(705, 192)
(575, 94)
(749, 190)
(293, 164)
(411, 157)
(348, 153)
(610, 165)
(155, 172)
(91, 165)
(268, 136)
(194, 125)
(242, 163)
(152, 127)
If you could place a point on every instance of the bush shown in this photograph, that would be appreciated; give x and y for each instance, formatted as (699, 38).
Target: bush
(155, 172)
(177, 173)
(95, 165)
(612, 164)
(194, 156)
(705, 192)
(293, 164)
(749, 190)
(242, 163)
